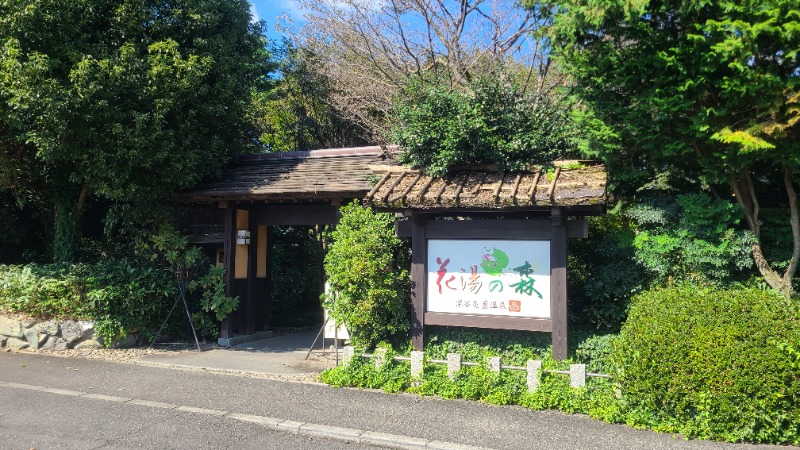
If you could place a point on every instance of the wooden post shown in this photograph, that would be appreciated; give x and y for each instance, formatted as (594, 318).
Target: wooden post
(252, 274)
(229, 246)
(558, 284)
(419, 255)
(268, 293)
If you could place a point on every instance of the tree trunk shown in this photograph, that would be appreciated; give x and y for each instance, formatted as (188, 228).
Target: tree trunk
(745, 194)
(67, 214)
(794, 219)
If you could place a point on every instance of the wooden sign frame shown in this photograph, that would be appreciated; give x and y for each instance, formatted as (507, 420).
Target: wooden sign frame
(555, 229)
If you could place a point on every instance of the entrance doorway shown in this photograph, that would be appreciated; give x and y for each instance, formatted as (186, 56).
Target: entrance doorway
(297, 276)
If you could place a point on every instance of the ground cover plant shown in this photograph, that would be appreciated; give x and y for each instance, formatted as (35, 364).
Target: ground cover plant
(478, 383)
(711, 364)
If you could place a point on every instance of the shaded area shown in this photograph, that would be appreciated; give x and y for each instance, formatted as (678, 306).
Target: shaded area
(282, 355)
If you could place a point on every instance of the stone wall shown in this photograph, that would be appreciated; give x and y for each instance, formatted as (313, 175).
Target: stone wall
(20, 332)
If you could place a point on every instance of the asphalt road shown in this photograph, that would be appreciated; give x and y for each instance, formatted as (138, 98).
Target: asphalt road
(49, 402)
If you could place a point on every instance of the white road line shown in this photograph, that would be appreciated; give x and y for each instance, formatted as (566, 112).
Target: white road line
(271, 423)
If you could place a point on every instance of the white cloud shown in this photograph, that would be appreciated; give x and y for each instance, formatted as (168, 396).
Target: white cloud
(254, 16)
(292, 8)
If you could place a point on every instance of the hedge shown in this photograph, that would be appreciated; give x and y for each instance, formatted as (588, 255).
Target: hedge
(712, 364)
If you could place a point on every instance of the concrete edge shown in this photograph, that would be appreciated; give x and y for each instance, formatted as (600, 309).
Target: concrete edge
(392, 440)
(240, 373)
(339, 433)
(275, 424)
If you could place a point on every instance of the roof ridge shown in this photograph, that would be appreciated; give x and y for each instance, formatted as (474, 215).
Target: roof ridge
(322, 153)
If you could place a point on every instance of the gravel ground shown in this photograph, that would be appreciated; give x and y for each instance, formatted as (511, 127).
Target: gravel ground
(121, 355)
(132, 356)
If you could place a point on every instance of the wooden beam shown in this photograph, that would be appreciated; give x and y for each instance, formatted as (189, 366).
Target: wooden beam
(402, 228)
(499, 187)
(532, 193)
(252, 275)
(558, 284)
(424, 189)
(578, 228)
(552, 189)
(396, 181)
(306, 214)
(419, 256)
(409, 188)
(488, 321)
(480, 229)
(441, 190)
(460, 187)
(268, 301)
(378, 186)
(516, 188)
(229, 249)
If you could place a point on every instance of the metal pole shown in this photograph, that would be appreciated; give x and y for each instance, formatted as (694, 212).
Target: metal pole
(177, 300)
(189, 316)
(336, 341)
(317, 338)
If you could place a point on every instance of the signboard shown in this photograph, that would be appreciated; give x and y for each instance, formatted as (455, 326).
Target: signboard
(489, 277)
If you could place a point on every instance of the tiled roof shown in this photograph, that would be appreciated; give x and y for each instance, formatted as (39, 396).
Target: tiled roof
(318, 174)
(568, 184)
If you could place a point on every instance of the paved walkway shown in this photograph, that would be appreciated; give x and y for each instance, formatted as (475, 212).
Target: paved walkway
(282, 355)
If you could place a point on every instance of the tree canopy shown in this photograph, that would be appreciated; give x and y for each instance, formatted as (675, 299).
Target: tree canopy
(296, 114)
(706, 87)
(370, 50)
(489, 122)
(122, 100)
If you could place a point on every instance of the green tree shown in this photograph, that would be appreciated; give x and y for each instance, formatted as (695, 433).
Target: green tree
(489, 122)
(368, 281)
(123, 100)
(296, 114)
(707, 88)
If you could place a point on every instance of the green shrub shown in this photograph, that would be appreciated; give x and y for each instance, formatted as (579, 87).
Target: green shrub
(43, 291)
(369, 283)
(603, 272)
(392, 377)
(117, 295)
(490, 121)
(596, 352)
(713, 364)
(691, 238)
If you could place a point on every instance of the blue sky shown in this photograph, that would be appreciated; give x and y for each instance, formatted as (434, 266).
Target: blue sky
(270, 10)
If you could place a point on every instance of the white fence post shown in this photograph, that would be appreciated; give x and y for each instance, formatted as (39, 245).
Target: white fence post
(494, 364)
(417, 359)
(349, 353)
(453, 364)
(534, 369)
(379, 357)
(577, 375)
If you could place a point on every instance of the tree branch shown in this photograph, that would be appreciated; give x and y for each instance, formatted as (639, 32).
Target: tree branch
(795, 222)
